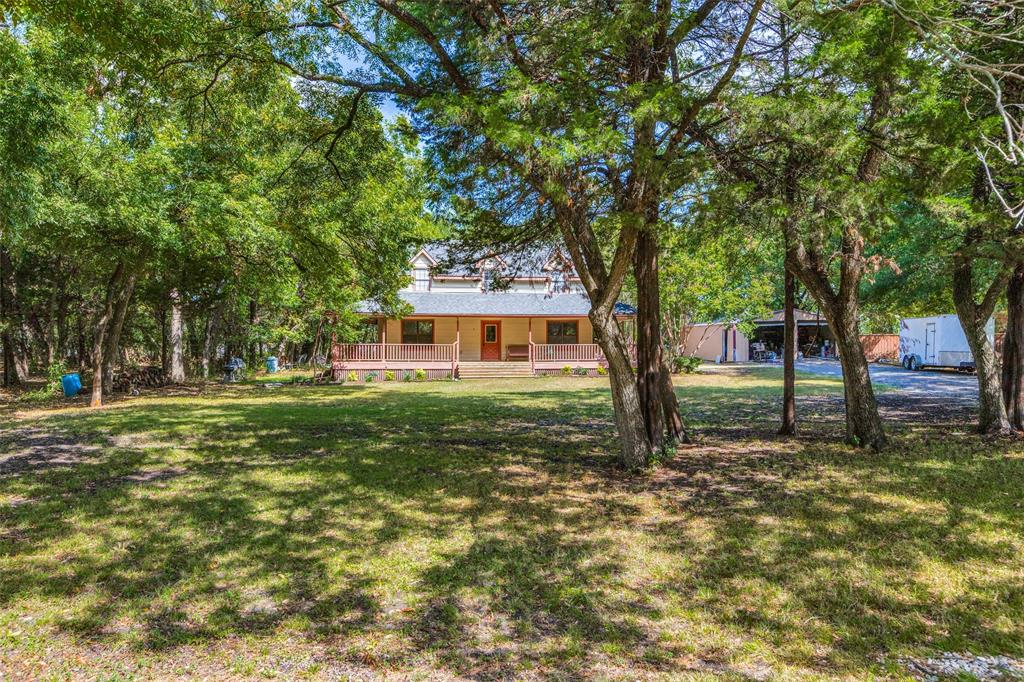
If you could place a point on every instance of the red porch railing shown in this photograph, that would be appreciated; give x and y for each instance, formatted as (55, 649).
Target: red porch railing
(445, 356)
(567, 353)
(396, 356)
(395, 352)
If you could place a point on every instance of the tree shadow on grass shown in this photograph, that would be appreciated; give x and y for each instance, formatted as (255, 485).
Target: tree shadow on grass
(509, 531)
(858, 554)
(231, 547)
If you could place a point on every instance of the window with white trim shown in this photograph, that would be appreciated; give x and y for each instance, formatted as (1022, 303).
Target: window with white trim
(421, 279)
(558, 282)
(490, 280)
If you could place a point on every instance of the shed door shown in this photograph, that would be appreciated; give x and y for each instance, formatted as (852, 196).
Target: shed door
(929, 343)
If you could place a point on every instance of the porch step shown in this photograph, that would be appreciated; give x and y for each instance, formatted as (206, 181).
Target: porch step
(494, 370)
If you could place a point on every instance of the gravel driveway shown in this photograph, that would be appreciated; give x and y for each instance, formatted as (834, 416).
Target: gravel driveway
(926, 383)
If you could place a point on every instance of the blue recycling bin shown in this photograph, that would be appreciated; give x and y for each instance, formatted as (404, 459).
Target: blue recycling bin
(271, 365)
(71, 383)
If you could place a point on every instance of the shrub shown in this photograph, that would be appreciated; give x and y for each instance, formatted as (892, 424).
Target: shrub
(567, 370)
(686, 364)
(580, 371)
(421, 374)
(602, 370)
(352, 376)
(389, 375)
(53, 387)
(54, 373)
(370, 377)
(407, 376)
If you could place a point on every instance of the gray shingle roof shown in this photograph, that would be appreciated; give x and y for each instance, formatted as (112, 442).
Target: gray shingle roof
(497, 303)
(525, 263)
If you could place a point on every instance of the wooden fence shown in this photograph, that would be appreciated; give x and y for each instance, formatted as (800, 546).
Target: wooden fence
(881, 347)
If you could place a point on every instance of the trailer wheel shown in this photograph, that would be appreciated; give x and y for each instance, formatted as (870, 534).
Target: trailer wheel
(913, 364)
(906, 362)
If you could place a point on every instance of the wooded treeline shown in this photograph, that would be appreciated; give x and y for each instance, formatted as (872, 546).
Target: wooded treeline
(865, 155)
(149, 223)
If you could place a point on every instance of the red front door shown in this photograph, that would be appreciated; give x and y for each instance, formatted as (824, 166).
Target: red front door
(490, 340)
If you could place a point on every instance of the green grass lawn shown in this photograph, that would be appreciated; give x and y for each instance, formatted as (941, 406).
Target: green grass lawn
(481, 530)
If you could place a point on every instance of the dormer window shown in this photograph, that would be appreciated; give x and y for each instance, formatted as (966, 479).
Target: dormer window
(490, 274)
(558, 284)
(490, 280)
(421, 279)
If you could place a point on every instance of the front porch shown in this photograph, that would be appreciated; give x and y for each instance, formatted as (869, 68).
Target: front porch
(439, 346)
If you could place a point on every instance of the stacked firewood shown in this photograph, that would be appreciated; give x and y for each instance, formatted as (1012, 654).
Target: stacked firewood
(140, 377)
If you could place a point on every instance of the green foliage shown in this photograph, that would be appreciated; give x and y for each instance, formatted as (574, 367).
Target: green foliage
(712, 270)
(54, 373)
(370, 377)
(685, 364)
(216, 183)
(602, 370)
(52, 388)
(421, 374)
(352, 376)
(406, 376)
(566, 370)
(389, 375)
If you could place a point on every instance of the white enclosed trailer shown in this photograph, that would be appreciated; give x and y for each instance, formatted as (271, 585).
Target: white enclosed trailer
(937, 341)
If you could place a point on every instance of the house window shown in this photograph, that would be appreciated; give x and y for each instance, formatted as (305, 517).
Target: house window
(417, 331)
(563, 332)
(421, 279)
(557, 281)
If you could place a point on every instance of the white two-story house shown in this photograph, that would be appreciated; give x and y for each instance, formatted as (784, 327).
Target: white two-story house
(519, 315)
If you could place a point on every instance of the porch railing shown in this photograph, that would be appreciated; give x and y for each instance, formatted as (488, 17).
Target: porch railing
(396, 355)
(558, 355)
(567, 352)
(384, 352)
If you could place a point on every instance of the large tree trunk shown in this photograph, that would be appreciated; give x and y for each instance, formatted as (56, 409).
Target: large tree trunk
(973, 318)
(863, 423)
(1013, 350)
(635, 447)
(788, 427)
(648, 338)
(603, 285)
(992, 417)
(112, 342)
(177, 332)
(100, 328)
(654, 379)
